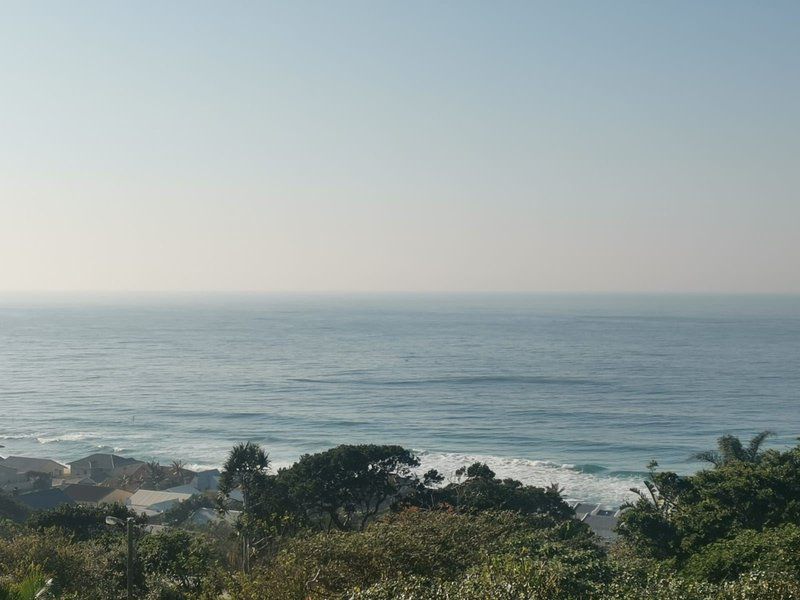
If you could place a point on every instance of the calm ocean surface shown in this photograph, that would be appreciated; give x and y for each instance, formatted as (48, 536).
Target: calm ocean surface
(579, 390)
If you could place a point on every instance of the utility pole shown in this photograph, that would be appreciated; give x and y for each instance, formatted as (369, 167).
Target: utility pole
(130, 558)
(129, 524)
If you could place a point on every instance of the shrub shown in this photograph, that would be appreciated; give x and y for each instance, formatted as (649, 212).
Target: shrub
(774, 551)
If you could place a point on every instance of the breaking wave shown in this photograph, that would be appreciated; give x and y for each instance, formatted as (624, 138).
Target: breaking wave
(78, 436)
(578, 483)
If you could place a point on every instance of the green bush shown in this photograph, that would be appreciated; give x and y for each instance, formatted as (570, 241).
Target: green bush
(176, 559)
(83, 522)
(85, 569)
(426, 548)
(770, 551)
(12, 509)
(684, 514)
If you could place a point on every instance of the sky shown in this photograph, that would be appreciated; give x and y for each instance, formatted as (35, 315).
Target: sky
(400, 146)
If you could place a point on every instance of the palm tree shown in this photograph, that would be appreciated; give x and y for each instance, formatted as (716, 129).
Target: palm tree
(246, 464)
(155, 473)
(177, 470)
(730, 449)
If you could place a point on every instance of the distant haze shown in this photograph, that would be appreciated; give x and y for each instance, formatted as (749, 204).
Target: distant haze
(408, 146)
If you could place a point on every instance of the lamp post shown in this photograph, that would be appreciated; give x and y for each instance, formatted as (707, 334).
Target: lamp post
(128, 524)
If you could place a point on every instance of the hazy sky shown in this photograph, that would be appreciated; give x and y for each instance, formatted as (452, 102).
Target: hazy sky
(440, 146)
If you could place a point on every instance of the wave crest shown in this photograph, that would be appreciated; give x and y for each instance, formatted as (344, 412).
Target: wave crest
(77, 436)
(604, 488)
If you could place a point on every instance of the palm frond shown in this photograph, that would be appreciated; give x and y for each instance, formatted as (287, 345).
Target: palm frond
(709, 456)
(756, 442)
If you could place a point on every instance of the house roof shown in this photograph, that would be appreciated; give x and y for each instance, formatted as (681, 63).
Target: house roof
(45, 499)
(584, 508)
(146, 498)
(62, 482)
(130, 470)
(23, 464)
(184, 489)
(87, 493)
(107, 462)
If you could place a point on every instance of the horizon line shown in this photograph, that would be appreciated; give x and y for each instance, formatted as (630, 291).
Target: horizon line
(245, 292)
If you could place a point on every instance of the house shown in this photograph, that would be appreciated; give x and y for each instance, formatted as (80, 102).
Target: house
(602, 521)
(117, 496)
(94, 495)
(184, 489)
(130, 476)
(155, 502)
(583, 508)
(64, 482)
(206, 480)
(45, 499)
(10, 477)
(24, 464)
(100, 467)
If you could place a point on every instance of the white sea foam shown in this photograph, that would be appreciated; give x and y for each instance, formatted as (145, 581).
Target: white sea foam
(198, 467)
(114, 449)
(66, 437)
(608, 490)
(19, 436)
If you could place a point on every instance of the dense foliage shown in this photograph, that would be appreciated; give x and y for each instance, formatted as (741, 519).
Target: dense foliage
(359, 523)
(477, 489)
(11, 509)
(81, 522)
(679, 516)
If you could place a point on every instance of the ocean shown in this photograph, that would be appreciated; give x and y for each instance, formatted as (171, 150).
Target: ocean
(579, 390)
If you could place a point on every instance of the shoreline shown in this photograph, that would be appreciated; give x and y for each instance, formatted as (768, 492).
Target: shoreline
(592, 484)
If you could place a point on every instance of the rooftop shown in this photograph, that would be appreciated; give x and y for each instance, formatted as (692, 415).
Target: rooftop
(87, 493)
(45, 499)
(107, 462)
(24, 464)
(146, 498)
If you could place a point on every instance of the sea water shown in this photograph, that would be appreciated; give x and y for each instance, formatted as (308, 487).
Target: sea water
(579, 390)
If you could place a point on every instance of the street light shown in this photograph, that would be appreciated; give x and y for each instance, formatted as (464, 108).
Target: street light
(128, 524)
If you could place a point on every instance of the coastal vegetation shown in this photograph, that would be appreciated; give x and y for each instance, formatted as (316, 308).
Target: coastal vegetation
(361, 522)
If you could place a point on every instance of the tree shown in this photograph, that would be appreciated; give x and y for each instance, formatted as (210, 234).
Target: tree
(177, 556)
(730, 449)
(683, 514)
(477, 489)
(40, 481)
(83, 522)
(181, 512)
(437, 547)
(350, 484)
(476, 470)
(245, 468)
(11, 509)
(178, 472)
(155, 474)
(774, 550)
